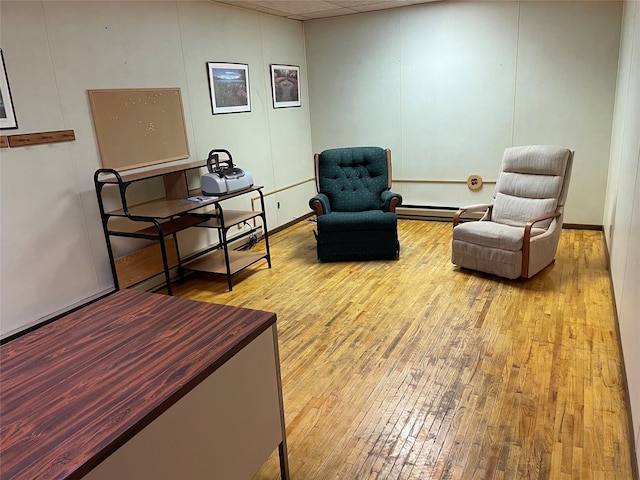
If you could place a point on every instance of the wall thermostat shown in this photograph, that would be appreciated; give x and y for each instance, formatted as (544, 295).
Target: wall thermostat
(474, 182)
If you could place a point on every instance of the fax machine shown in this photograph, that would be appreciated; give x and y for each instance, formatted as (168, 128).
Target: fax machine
(223, 177)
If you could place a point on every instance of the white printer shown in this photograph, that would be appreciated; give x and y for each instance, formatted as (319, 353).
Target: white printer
(223, 177)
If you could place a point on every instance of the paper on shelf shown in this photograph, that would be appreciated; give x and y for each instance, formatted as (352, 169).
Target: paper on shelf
(199, 199)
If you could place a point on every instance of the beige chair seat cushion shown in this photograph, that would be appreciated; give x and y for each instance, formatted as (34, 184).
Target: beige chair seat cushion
(493, 235)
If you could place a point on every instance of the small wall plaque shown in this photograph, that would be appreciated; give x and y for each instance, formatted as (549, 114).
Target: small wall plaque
(474, 182)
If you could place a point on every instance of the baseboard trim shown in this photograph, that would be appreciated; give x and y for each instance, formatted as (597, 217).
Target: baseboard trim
(445, 214)
(432, 213)
(579, 226)
(291, 223)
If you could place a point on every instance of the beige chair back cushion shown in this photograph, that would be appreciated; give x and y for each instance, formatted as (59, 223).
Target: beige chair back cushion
(529, 184)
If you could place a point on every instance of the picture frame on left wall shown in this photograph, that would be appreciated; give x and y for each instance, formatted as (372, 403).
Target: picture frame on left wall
(229, 87)
(7, 113)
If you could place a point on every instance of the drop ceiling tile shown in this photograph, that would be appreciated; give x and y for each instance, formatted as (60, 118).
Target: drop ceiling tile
(331, 13)
(382, 5)
(313, 9)
(354, 3)
(255, 6)
(298, 7)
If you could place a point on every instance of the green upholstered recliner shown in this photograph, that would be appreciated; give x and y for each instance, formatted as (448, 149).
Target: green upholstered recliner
(354, 207)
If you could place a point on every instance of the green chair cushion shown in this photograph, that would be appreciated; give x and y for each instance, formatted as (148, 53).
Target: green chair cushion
(370, 220)
(354, 178)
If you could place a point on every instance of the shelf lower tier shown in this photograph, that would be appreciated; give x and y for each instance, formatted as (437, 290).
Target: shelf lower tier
(214, 262)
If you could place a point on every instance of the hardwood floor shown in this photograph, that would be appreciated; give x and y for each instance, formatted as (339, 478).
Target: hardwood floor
(415, 369)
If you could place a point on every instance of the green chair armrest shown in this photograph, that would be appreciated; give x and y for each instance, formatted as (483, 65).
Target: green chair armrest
(320, 203)
(390, 200)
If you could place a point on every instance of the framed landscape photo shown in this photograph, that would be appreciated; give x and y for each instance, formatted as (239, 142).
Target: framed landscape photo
(229, 87)
(7, 114)
(285, 86)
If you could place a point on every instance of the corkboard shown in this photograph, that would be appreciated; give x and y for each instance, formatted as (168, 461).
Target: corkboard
(139, 127)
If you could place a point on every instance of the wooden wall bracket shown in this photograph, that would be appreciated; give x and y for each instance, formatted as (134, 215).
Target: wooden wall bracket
(4, 141)
(27, 139)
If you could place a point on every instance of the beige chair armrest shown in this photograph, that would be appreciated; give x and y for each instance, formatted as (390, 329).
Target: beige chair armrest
(470, 208)
(526, 241)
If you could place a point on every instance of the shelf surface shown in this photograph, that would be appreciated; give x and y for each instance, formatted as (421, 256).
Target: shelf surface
(169, 227)
(174, 225)
(154, 172)
(225, 196)
(231, 218)
(167, 208)
(214, 262)
(160, 208)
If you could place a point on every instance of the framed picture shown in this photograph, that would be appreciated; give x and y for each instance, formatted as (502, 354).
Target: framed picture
(229, 87)
(285, 86)
(7, 114)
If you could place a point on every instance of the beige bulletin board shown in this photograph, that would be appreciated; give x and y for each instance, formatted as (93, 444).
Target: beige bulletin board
(139, 127)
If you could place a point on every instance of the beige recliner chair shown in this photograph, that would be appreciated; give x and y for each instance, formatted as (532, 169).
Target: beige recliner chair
(519, 232)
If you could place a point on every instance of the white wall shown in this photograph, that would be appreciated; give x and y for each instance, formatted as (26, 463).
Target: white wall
(622, 208)
(52, 249)
(448, 85)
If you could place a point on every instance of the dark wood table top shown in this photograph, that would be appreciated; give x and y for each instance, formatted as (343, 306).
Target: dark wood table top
(74, 391)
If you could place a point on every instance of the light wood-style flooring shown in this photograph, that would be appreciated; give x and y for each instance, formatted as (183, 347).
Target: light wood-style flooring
(415, 369)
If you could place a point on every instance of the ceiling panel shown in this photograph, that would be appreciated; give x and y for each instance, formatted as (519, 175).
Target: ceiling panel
(310, 9)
